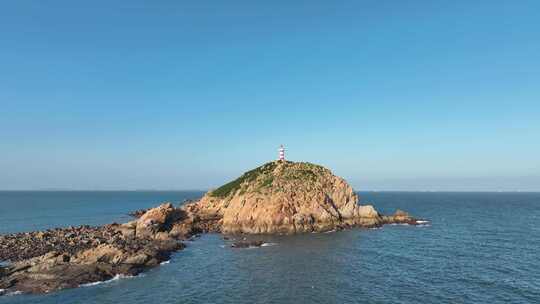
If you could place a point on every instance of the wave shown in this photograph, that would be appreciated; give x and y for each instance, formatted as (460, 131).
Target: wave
(165, 262)
(418, 224)
(13, 293)
(262, 245)
(115, 278)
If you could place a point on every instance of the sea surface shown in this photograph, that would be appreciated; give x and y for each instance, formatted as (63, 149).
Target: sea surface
(478, 248)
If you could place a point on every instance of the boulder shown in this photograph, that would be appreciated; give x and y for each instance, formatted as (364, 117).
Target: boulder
(105, 253)
(400, 217)
(157, 219)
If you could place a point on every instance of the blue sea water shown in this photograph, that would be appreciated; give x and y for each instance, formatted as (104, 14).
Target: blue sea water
(479, 248)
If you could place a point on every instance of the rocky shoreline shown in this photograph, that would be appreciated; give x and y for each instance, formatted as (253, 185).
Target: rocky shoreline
(54, 259)
(276, 198)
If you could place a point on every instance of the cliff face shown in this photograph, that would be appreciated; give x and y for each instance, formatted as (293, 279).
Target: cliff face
(286, 197)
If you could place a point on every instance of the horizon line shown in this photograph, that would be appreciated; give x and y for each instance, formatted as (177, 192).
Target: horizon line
(204, 191)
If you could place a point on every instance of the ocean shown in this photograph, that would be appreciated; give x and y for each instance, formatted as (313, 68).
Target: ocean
(478, 248)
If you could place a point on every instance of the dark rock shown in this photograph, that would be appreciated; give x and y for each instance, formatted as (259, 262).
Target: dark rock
(247, 244)
(138, 213)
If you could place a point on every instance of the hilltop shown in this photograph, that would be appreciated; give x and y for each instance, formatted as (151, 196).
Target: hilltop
(286, 197)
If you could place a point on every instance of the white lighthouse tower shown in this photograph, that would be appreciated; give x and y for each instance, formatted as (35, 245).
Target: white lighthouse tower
(281, 153)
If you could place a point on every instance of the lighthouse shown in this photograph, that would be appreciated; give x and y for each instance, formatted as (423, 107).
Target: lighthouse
(281, 153)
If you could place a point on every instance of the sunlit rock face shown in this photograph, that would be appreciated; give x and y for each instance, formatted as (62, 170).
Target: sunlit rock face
(287, 197)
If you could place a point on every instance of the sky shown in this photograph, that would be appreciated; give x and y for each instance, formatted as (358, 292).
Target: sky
(390, 95)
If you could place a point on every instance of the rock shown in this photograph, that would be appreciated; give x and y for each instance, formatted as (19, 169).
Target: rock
(127, 229)
(138, 259)
(285, 197)
(158, 219)
(138, 213)
(247, 244)
(400, 217)
(103, 253)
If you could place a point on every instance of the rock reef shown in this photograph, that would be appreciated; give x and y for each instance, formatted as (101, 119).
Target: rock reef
(279, 197)
(64, 258)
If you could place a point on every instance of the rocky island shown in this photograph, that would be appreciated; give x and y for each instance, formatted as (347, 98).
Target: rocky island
(280, 197)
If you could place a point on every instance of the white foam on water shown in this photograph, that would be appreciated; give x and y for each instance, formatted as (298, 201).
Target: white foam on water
(423, 225)
(165, 262)
(331, 231)
(422, 222)
(115, 278)
(14, 293)
(93, 283)
(268, 244)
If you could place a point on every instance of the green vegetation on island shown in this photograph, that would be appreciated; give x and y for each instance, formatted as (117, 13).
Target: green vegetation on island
(264, 176)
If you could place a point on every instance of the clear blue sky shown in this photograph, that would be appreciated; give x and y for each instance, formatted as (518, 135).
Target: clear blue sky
(396, 95)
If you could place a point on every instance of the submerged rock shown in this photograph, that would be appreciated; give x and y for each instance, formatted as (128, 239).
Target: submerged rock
(247, 244)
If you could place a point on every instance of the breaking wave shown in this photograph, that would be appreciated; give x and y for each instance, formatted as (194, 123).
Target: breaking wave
(13, 293)
(115, 278)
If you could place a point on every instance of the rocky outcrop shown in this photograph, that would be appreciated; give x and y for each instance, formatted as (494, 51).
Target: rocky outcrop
(64, 258)
(278, 197)
(401, 217)
(158, 221)
(286, 197)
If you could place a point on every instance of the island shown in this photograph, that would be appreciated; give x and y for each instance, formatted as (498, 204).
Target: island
(279, 197)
